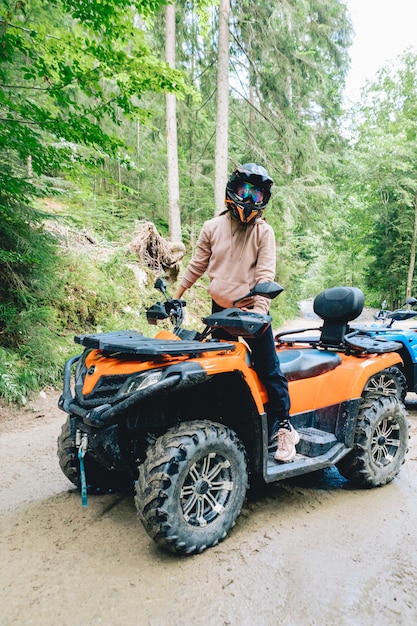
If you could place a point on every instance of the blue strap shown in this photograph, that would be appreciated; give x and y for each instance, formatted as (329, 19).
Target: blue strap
(84, 497)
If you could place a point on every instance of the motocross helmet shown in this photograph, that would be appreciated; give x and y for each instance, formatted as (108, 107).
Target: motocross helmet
(248, 191)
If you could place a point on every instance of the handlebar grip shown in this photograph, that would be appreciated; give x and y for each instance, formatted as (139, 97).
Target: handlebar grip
(174, 305)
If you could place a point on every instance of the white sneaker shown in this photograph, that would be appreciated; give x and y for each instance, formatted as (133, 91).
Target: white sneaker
(287, 440)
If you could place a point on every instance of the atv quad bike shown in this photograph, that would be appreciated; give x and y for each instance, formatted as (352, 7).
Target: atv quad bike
(183, 415)
(406, 337)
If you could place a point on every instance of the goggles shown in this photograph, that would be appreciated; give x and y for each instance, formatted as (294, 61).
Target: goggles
(247, 190)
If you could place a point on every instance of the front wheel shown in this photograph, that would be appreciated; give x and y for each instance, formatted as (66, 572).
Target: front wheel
(192, 486)
(381, 443)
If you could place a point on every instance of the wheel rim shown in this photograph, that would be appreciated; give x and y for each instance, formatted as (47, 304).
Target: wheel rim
(385, 442)
(206, 489)
(382, 384)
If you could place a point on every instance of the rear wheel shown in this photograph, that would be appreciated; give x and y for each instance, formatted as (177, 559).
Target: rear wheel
(192, 486)
(99, 480)
(390, 381)
(381, 443)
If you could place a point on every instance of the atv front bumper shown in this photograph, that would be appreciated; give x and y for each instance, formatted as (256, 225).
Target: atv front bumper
(174, 378)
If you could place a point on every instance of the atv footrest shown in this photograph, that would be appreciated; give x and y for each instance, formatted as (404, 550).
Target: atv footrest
(303, 464)
(314, 442)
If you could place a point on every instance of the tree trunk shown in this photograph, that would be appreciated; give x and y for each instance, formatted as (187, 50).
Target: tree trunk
(222, 124)
(171, 130)
(138, 152)
(29, 167)
(251, 118)
(412, 253)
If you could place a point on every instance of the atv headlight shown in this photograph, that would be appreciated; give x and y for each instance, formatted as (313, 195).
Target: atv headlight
(141, 381)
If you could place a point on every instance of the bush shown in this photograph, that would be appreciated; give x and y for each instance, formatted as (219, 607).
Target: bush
(15, 379)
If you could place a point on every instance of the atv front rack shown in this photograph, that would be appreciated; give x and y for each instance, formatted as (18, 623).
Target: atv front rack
(133, 342)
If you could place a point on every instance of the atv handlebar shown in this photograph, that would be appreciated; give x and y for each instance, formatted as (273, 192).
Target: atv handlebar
(268, 290)
(387, 318)
(236, 321)
(171, 308)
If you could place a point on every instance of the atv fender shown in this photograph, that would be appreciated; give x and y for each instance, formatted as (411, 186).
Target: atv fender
(344, 383)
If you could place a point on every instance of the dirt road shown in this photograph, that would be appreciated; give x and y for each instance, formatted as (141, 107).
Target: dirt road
(311, 551)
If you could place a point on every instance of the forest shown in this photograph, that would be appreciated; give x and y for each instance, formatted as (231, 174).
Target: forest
(119, 123)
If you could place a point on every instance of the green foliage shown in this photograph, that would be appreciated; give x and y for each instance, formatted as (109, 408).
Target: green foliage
(83, 120)
(94, 290)
(96, 293)
(58, 90)
(36, 363)
(70, 73)
(28, 266)
(13, 383)
(385, 156)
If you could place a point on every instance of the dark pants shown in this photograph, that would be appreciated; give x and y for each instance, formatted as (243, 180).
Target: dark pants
(266, 365)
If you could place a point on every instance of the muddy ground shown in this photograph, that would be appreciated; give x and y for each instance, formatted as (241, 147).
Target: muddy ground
(311, 551)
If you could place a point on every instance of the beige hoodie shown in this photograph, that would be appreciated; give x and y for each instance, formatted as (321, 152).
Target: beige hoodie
(236, 258)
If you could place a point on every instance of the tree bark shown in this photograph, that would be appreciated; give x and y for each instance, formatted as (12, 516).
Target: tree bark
(29, 167)
(412, 253)
(222, 124)
(171, 132)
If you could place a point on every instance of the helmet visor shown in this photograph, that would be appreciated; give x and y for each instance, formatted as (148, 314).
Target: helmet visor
(247, 191)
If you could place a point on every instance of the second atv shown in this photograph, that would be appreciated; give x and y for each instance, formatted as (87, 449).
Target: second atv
(385, 327)
(182, 416)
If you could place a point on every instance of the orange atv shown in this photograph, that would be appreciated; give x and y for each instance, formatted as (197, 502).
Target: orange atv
(182, 415)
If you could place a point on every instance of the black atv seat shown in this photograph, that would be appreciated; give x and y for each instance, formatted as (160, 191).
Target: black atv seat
(299, 364)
